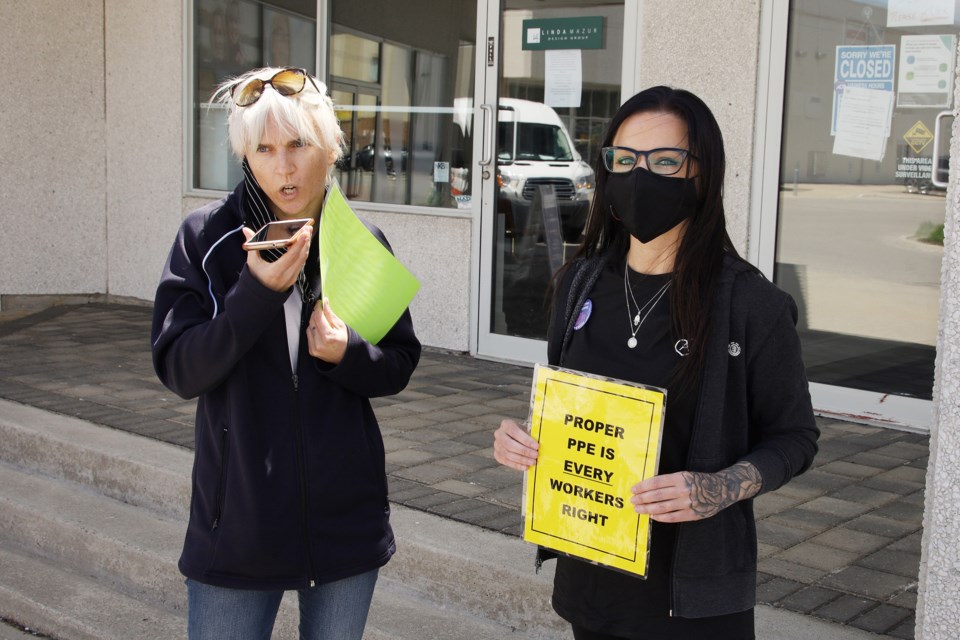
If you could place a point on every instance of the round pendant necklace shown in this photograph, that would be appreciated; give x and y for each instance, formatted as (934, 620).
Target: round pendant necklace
(636, 320)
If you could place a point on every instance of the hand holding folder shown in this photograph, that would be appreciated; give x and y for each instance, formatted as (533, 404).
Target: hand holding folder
(367, 286)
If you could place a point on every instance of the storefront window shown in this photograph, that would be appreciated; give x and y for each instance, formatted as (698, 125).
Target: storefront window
(231, 37)
(861, 211)
(403, 92)
(403, 80)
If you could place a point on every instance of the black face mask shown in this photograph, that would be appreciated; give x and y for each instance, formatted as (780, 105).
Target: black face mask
(649, 205)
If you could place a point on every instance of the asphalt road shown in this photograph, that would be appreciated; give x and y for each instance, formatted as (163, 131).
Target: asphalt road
(861, 230)
(848, 255)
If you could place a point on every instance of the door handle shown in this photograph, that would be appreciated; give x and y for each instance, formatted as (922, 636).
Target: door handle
(486, 158)
(934, 169)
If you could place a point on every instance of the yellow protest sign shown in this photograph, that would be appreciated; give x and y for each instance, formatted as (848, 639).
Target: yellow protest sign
(598, 437)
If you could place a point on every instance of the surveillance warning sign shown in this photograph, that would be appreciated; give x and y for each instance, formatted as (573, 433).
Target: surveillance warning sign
(598, 437)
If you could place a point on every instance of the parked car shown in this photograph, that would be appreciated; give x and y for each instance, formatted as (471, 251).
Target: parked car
(366, 156)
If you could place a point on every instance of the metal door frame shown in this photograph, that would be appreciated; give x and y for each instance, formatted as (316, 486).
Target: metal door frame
(844, 403)
(483, 342)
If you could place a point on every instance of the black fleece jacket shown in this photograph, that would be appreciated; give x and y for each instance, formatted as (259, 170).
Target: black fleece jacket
(289, 486)
(754, 406)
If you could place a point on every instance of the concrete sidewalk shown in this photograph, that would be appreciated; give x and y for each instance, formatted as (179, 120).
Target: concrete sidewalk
(839, 545)
(93, 555)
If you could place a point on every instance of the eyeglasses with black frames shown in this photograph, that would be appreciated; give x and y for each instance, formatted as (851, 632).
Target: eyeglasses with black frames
(287, 82)
(665, 161)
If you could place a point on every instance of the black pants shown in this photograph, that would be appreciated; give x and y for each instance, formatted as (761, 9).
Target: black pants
(579, 633)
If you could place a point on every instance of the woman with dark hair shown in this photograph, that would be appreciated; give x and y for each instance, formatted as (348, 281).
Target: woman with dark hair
(707, 326)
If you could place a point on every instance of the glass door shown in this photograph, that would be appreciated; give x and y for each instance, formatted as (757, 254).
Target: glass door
(861, 205)
(552, 80)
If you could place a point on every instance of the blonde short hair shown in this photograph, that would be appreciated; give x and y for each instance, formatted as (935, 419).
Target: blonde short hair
(308, 115)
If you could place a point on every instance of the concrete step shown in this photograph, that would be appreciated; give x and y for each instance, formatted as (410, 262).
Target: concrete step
(62, 603)
(129, 468)
(12, 632)
(72, 606)
(399, 613)
(92, 522)
(129, 549)
(481, 571)
(112, 506)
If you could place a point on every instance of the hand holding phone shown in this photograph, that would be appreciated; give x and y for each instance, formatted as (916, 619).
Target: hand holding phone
(275, 235)
(281, 273)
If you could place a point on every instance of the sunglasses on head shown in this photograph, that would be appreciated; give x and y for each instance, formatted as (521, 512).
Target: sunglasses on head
(286, 82)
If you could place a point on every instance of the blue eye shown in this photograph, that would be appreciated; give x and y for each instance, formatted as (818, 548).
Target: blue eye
(668, 162)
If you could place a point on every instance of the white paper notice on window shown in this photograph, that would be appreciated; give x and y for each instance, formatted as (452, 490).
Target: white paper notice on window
(863, 123)
(563, 85)
(920, 13)
(926, 71)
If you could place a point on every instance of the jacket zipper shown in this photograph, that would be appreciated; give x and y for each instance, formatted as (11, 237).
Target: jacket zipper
(301, 466)
(221, 483)
(305, 310)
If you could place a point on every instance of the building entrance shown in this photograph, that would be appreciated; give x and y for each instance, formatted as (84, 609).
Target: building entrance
(551, 82)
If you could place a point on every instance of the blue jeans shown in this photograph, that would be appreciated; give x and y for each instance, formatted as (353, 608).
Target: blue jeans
(332, 611)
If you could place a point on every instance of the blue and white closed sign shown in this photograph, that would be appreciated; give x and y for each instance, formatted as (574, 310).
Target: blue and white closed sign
(866, 66)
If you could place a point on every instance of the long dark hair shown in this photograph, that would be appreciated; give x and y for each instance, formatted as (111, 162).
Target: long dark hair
(700, 255)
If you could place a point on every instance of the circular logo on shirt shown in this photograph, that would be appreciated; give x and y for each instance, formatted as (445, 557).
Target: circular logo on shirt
(583, 316)
(733, 349)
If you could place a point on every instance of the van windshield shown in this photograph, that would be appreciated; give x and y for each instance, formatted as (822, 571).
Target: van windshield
(535, 141)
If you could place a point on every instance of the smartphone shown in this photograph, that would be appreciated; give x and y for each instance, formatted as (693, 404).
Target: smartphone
(275, 235)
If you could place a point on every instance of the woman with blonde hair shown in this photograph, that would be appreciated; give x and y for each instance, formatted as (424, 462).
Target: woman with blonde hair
(289, 486)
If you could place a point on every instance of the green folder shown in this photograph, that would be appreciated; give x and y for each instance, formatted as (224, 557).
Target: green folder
(368, 288)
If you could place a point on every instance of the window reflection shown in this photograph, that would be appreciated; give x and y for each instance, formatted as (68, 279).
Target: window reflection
(544, 178)
(354, 57)
(232, 37)
(401, 83)
(395, 84)
(854, 200)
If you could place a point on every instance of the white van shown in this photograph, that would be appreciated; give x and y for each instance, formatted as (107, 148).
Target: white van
(534, 150)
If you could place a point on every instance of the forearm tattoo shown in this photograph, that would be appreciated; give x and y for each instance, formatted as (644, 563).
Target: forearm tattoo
(712, 492)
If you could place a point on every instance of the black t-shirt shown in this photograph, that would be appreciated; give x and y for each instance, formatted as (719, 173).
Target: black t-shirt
(596, 597)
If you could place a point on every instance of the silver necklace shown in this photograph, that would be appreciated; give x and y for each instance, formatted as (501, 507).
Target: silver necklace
(636, 320)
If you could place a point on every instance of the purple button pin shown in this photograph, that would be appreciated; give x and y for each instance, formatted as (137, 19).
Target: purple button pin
(583, 316)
